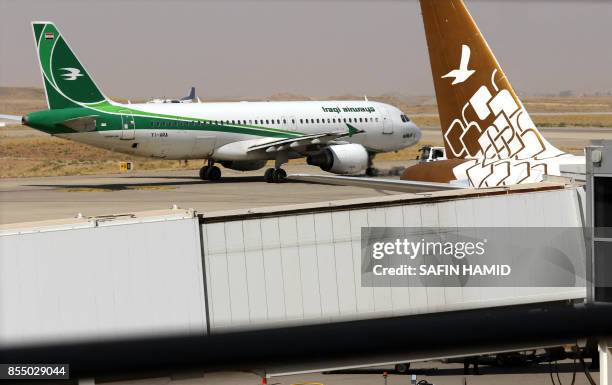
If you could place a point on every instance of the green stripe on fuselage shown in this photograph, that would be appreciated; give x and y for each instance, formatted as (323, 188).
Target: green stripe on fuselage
(50, 121)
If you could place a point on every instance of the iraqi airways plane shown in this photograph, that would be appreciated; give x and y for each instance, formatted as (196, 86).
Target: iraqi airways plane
(490, 139)
(341, 137)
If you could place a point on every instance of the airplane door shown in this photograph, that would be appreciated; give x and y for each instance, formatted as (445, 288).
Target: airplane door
(387, 124)
(128, 125)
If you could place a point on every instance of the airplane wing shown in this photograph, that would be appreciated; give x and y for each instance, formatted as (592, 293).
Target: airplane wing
(324, 138)
(376, 183)
(16, 118)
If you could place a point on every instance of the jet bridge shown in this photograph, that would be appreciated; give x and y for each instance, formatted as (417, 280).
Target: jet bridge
(238, 289)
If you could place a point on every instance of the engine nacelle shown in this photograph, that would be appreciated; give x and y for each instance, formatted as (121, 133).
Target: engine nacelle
(340, 159)
(243, 165)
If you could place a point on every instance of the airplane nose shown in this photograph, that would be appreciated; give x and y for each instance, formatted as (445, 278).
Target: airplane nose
(417, 131)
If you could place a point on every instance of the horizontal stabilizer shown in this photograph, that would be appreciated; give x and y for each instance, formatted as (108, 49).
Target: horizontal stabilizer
(16, 118)
(376, 183)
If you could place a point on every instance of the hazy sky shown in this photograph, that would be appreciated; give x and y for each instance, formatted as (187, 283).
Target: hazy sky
(234, 48)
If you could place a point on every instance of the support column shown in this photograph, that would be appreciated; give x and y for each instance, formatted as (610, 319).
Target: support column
(605, 361)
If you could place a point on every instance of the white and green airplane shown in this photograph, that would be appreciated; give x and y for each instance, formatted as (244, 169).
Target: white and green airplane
(341, 137)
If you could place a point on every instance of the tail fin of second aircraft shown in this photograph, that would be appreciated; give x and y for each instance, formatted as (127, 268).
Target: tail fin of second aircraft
(67, 83)
(480, 113)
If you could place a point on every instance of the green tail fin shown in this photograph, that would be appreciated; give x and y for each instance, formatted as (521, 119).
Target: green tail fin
(66, 81)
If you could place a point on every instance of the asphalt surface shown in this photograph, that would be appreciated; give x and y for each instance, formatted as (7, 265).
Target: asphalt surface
(35, 199)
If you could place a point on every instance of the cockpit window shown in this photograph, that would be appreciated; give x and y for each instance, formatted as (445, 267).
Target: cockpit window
(405, 118)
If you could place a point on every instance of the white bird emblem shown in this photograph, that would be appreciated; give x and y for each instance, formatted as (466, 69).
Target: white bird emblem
(462, 74)
(72, 73)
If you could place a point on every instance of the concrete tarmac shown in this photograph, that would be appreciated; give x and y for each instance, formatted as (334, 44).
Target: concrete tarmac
(43, 198)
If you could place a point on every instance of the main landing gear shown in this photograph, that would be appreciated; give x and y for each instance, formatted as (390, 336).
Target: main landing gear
(210, 172)
(277, 174)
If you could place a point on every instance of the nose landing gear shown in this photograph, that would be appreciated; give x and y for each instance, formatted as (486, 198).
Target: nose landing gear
(210, 172)
(371, 171)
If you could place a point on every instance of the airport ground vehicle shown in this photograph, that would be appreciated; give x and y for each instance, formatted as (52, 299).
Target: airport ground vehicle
(431, 154)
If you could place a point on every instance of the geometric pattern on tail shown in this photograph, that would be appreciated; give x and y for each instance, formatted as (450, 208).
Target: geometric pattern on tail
(500, 140)
(511, 135)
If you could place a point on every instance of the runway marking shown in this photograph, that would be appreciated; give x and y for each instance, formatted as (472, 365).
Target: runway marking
(151, 188)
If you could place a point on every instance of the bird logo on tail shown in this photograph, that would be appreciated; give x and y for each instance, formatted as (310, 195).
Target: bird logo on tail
(71, 73)
(462, 73)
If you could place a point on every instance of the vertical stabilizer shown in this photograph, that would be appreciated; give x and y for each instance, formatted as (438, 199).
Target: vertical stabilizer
(67, 83)
(480, 114)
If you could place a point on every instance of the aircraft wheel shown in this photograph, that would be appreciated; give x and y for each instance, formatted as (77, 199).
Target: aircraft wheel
(204, 173)
(279, 175)
(371, 171)
(402, 368)
(214, 173)
(269, 175)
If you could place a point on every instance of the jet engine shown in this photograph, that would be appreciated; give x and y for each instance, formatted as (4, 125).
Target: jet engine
(243, 165)
(340, 159)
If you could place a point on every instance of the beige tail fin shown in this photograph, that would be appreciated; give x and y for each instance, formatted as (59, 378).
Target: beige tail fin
(480, 113)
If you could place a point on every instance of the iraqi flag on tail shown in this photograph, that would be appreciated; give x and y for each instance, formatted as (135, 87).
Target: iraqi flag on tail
(49, 35)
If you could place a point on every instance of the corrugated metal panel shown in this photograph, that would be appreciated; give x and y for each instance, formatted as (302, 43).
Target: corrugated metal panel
(305, 268)
(111, 281)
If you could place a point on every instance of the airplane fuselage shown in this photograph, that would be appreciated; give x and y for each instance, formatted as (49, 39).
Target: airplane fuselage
(204, 130)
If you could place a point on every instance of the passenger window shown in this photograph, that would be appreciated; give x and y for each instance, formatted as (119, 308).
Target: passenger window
(277, 121)
(293, 121)
(301, 121)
